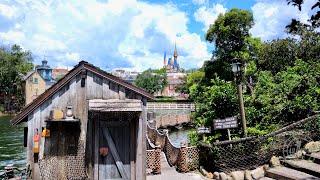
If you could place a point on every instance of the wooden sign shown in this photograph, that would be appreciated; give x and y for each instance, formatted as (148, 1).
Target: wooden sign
(204, 130)
(227, 123)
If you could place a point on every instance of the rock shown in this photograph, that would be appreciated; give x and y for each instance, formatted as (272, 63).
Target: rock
(203, 171)
(265, 167)
(210, 175)
(257, 173)
(223, 176)
(237, 175)
(216, 175)
(313, 146)
(299, 154)
(247, 175)
(229, 177)
(274, 161)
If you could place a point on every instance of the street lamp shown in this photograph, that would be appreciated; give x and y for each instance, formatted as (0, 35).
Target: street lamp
(236, 69)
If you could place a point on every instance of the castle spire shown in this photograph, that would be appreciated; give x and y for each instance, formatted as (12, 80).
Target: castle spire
(175, 53)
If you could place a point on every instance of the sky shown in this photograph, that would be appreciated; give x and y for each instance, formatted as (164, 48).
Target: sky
(131, 34)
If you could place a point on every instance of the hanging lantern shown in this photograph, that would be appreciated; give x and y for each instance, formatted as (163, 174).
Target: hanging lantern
(45, 132)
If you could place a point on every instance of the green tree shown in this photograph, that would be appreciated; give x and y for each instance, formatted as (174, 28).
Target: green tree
(189, 80)
(288, 96)
(14, 63)
(216, 101)
(276, 55)
(152, 80)
(229, 33)
(314, 19)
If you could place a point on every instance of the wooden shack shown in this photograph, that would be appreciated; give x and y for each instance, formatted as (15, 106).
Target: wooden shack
(103, 139)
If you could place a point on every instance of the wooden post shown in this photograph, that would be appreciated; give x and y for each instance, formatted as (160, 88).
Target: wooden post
(242, 112)
(229, 135)
(96, 148)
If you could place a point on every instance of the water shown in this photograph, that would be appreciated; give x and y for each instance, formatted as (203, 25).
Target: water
(177, 136)
(11, 144)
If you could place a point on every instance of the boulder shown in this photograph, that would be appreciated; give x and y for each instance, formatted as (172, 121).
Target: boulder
(204, 172)
(274, 161)
(258, 173)
(313, 146)
(237, 175)
(247, 175)
(299, 154)
(223, 176)
(216, 175)
(210, 175)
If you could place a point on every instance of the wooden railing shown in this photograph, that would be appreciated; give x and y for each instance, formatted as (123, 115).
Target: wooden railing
(170, 106)
(184, 158)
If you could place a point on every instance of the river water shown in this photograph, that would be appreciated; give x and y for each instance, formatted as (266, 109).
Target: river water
(177, 136)
(11, 144)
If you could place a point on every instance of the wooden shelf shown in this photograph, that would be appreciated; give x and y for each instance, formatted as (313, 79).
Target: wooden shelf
(63, 120)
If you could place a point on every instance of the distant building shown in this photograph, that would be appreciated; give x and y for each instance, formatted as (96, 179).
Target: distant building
(174, 80)
(175, 77)
(129, 76)
(34, 85)
(58, 73)
(40, 79)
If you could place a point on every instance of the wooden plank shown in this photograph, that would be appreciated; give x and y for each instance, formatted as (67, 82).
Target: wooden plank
(122, 92)
(314, 156)
(284, 173)
(105, 89)
(132, 148)
(304, 166)
(115, 105)
(96, 148)
(115, 154)
(143, 140)
(141, 144)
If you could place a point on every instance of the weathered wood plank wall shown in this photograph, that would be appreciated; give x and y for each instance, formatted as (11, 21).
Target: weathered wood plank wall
(96, 87)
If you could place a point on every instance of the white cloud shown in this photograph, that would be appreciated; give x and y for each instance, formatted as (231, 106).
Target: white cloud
(73, 56)
(7, 11)
(128, 33)
(12, 36)
(271, 17)
(207, 15)
(200, 2)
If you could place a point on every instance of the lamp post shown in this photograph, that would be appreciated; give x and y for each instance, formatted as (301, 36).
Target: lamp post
(236, 69)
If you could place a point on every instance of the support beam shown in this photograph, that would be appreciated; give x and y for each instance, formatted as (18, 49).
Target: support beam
(115, 154)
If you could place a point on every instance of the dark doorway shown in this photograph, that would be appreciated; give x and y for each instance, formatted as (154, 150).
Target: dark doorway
(116, 133)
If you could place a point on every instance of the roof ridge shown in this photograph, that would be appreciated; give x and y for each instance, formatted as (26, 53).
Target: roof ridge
(66, 79)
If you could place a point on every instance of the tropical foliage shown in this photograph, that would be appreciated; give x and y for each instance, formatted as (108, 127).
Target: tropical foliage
(281, 78)
(152, 81)
(14, 64)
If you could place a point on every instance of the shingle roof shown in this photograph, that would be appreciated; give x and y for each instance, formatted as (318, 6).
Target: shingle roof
(25, 77)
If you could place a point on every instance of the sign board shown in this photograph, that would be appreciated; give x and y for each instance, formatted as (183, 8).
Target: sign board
(227, 123)
(204, 130)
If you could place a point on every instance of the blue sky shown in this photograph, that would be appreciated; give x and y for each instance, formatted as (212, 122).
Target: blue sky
(130, 34)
